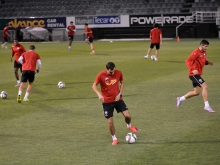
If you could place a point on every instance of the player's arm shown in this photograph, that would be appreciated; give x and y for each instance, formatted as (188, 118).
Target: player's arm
(39, 64)
(12, 54)
(94, 87)
(121, 88)
(161, 38)
(208, 63)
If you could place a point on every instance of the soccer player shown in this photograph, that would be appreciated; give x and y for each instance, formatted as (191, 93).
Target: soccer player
(5, 36)
(156, 40)
(28, 60)
(112, 85)
(89, 38)
(17, 50)
(195, 62)
(71, 29)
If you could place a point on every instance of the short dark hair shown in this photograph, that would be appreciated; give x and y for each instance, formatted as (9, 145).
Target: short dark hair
(71, 21)
(204, 42)
(32, 47)
(86, 24)
(156, 25)
(110, 65)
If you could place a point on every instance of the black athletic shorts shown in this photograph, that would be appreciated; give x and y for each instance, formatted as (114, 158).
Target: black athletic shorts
(27, 75)
(6, 39)
(17, 65)
(196, 80)
(71, 38)
(156, 44)
(108, 108)
(90, 39)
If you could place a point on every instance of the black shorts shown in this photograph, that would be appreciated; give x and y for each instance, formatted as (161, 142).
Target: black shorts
(156, 44)
(196, 80)
(108, 108)
(28, 75)
(71, 38)
(90, 39)
(17, 65)
(6, 39)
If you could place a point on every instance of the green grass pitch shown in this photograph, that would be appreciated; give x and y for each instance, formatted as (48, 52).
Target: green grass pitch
(67, 127)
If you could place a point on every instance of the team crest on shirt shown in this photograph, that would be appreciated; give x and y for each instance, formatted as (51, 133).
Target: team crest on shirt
(112, 82)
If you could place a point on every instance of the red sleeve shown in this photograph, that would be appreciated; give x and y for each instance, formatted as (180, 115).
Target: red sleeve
(191, 59)
(12, 52)
(97, 79)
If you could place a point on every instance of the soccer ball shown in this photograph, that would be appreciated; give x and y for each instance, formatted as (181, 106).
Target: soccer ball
(3, 95)
(61, 84)
(152, 57)
(130, 138)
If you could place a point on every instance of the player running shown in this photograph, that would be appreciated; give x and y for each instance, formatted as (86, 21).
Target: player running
(17, 50)
(28, 60)
(5, 36)
(195, 62)
(89, 38)
(112, 85)
(71, 29)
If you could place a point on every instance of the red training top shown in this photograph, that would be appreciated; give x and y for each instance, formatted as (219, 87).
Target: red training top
(109, 84)
(71, 29)
(30, 60)
(17, 51)
(89, 34)
(196, 61)
(5, 33)
(155, 35)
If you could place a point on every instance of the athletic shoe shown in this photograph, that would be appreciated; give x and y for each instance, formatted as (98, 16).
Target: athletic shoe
(17, 85)
(178, 102)
(133, 129)
(6, 47)
(25, 99)
(19, 99)
(114, 142)
(209, 109)
(3, 46)
(155, 59)
(92, 53)
(69, 48)
(152, 57)
(146, 56)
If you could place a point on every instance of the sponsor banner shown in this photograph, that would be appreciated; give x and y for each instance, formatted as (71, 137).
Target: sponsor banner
(100, 20)
(48, 23)
(165, 19)
(83, 20)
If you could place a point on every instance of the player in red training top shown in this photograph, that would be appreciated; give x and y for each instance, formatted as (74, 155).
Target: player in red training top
(195, 62)
(89, 38)
(17, 50)
(29, 60)
(112, 85)
(5, 36)
(71, 29)
(156, 40)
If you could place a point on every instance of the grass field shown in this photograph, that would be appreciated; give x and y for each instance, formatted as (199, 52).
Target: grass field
(66, 126)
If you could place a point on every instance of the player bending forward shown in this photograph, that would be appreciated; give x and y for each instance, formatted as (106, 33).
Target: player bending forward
(28, 60)
(112, 85)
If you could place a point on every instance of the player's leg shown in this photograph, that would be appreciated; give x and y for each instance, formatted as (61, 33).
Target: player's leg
(16, 68)
(31, 77)
(157, 52)
(121, 107)
(22, 85)
(91, 45)
(87, 40)
(108, 113)
(149, 50)
(70, 42)
(205, 97)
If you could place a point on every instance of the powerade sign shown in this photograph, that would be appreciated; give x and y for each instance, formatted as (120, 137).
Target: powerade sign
(144, 20)
(100, 20)
(20, 23)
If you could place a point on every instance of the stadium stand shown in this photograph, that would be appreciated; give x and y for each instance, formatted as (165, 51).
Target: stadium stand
(42, 8)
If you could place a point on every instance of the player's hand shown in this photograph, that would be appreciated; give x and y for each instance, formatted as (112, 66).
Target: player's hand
(11, 59)
(210, 63)
(195, 72)
(101, 98)
(37, 71)
(117, 97)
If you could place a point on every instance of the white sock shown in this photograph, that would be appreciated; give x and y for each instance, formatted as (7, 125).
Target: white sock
(69, 47)
(18, 81)
(207, 104)
(26, 95)
(114, 137)
(93, 50)
(128, 125)
(182, 98)
(19, 92)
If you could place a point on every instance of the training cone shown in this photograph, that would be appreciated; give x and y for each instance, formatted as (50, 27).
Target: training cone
(178, 39)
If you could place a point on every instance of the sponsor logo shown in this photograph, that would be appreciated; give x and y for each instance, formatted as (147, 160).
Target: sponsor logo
(83, 20)
(145, 20)
(54, 23)
(200, 80)
(112, 82)
(106, 113)
(107, 20)
(25, 23)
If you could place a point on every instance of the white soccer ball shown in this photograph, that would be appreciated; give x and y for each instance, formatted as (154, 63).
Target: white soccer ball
(152, 57)
(130, 138)
(111, 41)
(61, 84)
(3, 95)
